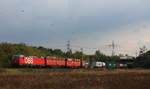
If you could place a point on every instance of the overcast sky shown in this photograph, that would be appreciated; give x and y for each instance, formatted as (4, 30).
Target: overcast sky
(86, 23)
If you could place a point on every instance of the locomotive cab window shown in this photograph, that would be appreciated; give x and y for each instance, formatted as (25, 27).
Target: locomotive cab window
(15, 58)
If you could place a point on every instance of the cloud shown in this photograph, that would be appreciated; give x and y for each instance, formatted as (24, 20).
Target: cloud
(92, 23)
(128, 39)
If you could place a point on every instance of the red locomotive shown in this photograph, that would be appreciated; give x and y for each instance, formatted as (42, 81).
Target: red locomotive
(33, 61)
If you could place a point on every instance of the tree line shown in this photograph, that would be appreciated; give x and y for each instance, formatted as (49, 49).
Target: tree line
(7, 50)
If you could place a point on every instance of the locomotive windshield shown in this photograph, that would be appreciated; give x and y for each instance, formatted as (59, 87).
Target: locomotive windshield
(15, 58)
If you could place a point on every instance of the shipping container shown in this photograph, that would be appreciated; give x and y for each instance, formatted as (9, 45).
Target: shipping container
(111, 64)
(98, 64)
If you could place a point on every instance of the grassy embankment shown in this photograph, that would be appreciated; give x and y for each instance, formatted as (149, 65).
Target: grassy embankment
(74, 79)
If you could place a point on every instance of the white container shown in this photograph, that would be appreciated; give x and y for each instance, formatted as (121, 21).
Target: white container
(98, 64)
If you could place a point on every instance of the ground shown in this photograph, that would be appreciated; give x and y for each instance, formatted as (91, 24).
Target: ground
(74, 79)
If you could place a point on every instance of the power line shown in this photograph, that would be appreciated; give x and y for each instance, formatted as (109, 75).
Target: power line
(113, 46)
(76, 46)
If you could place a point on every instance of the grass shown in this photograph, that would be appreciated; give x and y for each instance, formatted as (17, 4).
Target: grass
(74, 79)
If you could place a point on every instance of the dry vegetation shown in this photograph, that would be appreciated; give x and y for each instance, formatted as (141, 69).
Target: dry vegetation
(74, 79)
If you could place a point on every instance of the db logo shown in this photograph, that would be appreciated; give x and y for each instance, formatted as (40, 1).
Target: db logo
(29, 60)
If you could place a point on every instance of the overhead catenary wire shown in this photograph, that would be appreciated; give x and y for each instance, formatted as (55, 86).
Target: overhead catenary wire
(76, 47)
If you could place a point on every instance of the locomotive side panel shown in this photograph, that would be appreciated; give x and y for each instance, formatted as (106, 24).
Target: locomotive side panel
(61, 62)
(77, 63)
(55, 62)
(69, 63)
(38, 61)
(50, 61)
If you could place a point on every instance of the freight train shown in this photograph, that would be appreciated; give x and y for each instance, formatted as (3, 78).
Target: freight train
(33, 61)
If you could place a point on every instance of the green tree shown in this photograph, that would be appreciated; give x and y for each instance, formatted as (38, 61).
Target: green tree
(143, 50)
(143, 60)
(78, 55)
(100, 56)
